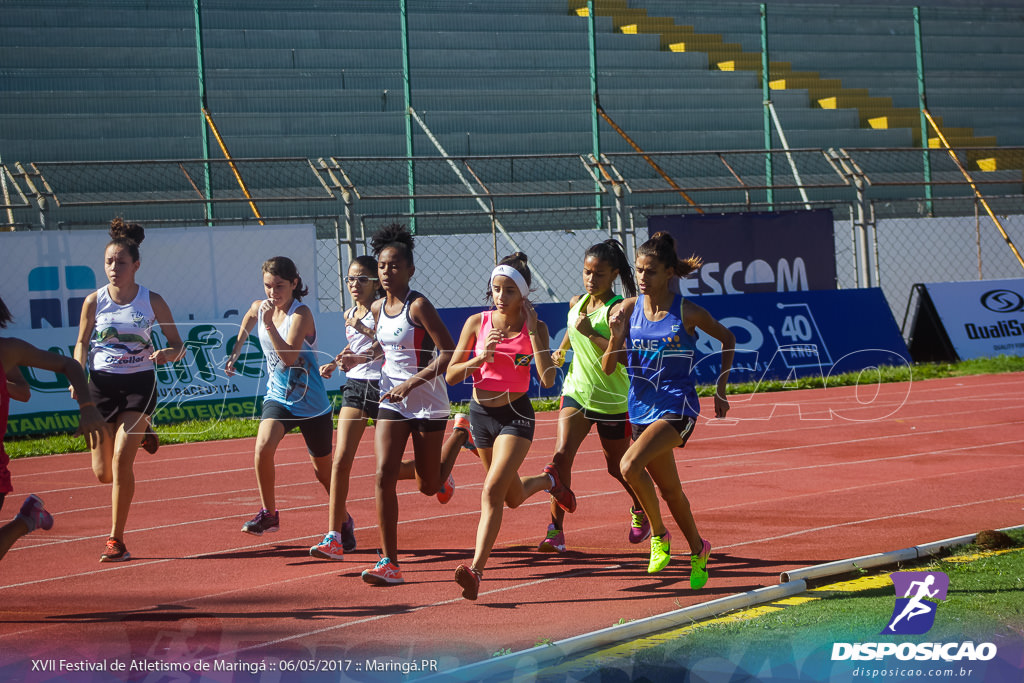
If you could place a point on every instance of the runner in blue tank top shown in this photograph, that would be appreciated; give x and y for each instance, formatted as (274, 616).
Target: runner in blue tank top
(655, 336)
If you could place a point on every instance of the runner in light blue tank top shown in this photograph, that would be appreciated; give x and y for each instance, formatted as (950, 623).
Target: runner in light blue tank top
(296, 396)
(655, 334)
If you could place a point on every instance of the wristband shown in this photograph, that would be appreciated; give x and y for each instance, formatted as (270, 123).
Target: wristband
(87, 404)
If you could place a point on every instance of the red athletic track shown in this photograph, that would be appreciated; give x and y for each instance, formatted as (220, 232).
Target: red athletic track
(784, 484)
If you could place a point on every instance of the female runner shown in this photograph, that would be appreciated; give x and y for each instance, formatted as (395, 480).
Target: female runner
(115, 344)
(496, 349)
(295, 396)
(655, 334)
(589, 396)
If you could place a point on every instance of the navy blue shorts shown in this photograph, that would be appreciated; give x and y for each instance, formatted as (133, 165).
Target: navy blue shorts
(683, 424)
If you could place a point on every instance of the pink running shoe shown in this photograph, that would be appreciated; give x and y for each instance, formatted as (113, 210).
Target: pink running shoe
(384, 573)
(330, 548)
(554, 542)
(469, 579)
(462, 422)
(115, 551)
(639, 528)
(563, 495)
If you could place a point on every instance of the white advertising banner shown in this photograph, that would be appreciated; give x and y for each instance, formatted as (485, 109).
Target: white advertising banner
(202, 273)
(983, 317)
(208, 277)
(194, 388)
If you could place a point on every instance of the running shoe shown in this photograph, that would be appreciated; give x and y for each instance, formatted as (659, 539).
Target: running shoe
(699, 566)
(150, 442)
(115, 551)
(462, 422)
(348, 535)
(384, 573)
(660, 553)
(330, 548)
(469, 579)
(639, 528)
(563, 495)
(264, 521)
(554, 542)
(34, 515)
(446, 491)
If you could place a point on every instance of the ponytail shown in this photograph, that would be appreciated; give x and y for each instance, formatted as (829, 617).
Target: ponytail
(662, 247)
(611, 252)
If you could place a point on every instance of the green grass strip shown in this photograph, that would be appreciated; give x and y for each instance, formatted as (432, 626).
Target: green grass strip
(195, 431)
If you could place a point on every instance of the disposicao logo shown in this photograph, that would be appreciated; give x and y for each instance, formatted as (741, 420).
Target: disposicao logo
(914, 613)
(918, 595)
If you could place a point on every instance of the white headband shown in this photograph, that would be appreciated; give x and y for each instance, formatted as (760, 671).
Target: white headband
(515, 275)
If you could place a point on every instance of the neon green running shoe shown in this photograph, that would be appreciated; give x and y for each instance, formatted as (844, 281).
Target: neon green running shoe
(660, 553)
(699, 566)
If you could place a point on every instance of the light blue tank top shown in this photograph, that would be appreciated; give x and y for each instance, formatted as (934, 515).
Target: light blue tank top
(660, 363)
(298, 388)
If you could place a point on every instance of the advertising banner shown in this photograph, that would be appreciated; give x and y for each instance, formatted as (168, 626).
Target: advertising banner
(198, 388)
(982, 317)
(755, 252)
(797, 334)
(204, 274)
(778, 336)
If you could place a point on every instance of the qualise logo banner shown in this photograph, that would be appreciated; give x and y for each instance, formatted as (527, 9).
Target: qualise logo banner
(982, 318)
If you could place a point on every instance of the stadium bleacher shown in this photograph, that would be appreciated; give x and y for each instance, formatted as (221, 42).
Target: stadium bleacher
(110, 79)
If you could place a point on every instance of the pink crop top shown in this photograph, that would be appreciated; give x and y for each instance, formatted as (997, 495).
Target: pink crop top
(510, 369)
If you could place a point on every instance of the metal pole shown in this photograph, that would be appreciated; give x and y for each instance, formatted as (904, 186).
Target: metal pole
(922, 106)
(789, 156)
(407, 92)
(595, 136)
(205, 135)
(767, 97)
(7, 195)
(341, 266)
(977, 236)
(476, 195)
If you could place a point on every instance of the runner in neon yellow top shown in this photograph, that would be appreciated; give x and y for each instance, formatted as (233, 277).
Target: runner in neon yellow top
(589, 396)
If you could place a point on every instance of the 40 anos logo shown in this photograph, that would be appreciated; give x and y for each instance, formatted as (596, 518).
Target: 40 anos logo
(918, 595)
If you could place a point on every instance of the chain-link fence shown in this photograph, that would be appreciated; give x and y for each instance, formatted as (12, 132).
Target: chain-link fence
(900, 215)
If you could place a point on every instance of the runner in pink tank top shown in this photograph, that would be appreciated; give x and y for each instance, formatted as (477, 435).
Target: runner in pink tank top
(496, 349)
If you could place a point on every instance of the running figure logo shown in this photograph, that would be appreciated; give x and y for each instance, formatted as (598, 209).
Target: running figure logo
(914, 613)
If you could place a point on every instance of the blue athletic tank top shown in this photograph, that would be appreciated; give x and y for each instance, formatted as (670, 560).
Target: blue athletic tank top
(299, 388)
(660, 363)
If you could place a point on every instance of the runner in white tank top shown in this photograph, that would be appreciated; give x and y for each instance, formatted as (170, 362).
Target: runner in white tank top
(409, 330)
(361, 361)
(115, 344)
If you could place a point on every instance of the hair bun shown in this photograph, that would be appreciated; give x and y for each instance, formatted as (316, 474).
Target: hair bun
(119, 230)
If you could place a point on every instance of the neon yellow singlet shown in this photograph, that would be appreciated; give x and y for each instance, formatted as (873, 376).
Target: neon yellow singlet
(586, 382)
